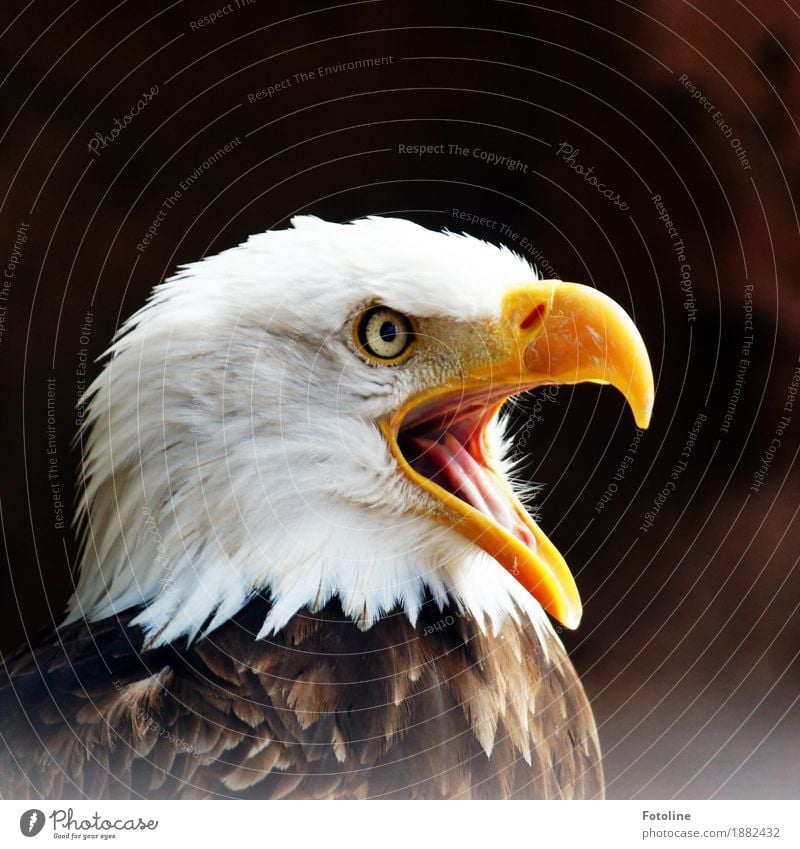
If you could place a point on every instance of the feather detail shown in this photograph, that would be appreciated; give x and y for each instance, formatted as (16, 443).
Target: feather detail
(321, 710)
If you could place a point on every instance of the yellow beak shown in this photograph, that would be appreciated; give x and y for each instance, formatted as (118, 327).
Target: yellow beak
(549, 332)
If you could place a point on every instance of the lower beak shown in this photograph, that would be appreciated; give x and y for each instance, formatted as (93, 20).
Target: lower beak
(549, 332)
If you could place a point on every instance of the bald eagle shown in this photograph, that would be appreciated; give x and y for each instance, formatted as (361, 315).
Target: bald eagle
(306, 570)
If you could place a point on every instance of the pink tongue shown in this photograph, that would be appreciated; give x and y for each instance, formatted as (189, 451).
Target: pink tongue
(469, 481)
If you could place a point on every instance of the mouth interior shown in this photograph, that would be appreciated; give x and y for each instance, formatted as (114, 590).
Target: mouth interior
(444, 443)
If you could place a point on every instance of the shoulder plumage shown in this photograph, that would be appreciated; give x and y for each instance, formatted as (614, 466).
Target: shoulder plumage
(320, 710)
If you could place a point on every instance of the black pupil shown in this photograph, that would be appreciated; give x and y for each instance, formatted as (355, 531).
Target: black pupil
(388, 331)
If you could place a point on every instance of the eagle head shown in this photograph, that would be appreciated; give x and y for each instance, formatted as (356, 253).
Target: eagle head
(317, 413)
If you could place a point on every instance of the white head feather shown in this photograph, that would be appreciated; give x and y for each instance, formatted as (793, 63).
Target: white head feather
(231, 445)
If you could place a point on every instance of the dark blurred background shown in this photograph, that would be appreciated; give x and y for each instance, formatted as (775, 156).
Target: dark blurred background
(687, 114)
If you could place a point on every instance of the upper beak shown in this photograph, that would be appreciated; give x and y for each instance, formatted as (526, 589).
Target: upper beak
(584, 336)
(549, 332)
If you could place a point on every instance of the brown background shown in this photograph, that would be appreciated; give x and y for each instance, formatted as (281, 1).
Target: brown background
(689, 646)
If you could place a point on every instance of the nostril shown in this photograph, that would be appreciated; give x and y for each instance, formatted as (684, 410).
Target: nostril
(533, 317)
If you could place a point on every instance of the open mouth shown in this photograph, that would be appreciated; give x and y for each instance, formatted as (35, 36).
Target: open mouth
(445, 442)
(441, 444)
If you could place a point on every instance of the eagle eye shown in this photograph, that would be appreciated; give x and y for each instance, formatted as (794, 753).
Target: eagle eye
(383, 335)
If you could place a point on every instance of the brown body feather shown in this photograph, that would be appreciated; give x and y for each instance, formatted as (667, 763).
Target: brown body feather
(321, 710)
